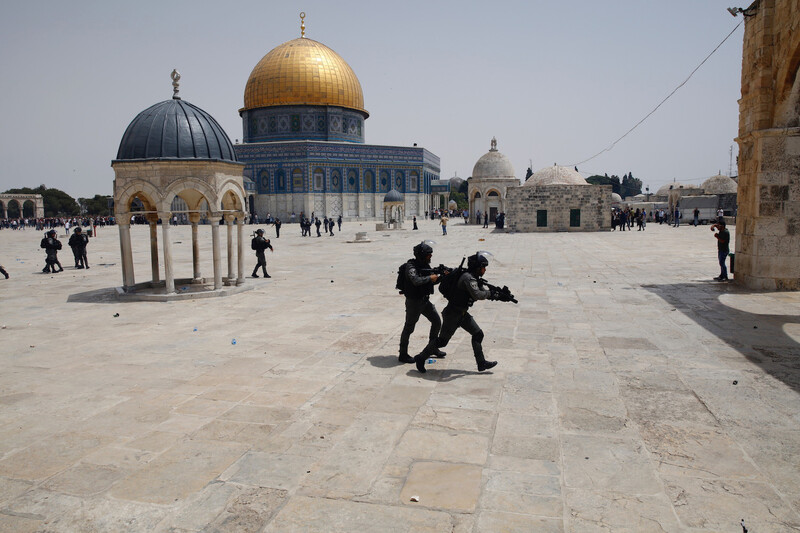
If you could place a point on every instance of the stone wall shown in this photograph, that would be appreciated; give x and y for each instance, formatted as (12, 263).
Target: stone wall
(768, 222)
(593, 201)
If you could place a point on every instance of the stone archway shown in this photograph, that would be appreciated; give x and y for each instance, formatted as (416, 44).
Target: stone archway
(21, 199)
(768, 221)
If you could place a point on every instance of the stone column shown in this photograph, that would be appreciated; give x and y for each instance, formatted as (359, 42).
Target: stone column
(240, 251)
(152, 221)
(194, 218)
(214, 219)
(169, 278)
(229, 231)
(126, 252)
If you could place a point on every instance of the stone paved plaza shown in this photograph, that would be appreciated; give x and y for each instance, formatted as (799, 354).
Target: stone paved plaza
(632, 392)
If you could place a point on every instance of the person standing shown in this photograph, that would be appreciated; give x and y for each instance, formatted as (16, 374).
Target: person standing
(417, 288)
(696, 217)
(317, 223)
(277, 225)
(415, 223)
(677, 215)
(51, 245)
(78, 242)
(260, 245)
(339, 223)
(326, 223)
(443, 222)
(485, 219)
(723, 237)
(456, 314)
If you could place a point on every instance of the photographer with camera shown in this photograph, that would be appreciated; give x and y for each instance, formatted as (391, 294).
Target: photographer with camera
(723, 237)
(415, 281)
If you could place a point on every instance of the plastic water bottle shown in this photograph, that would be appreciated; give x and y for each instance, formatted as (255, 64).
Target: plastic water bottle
(431, 361)
(233, 341)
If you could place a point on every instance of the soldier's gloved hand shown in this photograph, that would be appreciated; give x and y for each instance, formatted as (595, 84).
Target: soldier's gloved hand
(494, 294)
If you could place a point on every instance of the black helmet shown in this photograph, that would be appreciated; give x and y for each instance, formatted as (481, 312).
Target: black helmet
(77, 230)
(422, 249)
(260, 231)
(475, 262)
(51, 232)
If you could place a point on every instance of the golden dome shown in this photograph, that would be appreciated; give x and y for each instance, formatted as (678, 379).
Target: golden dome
(303, 72)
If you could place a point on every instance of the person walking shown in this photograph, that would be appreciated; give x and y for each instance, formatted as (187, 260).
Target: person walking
(417, 286)
(317, 223)
(723, 237)
(443, 222)
(485, 220)
(51, 245)
(456, 314)
(260, 245)
(78, 242)
(339, 223)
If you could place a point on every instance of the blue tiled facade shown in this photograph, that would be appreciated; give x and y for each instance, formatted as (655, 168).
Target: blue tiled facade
(295, 123)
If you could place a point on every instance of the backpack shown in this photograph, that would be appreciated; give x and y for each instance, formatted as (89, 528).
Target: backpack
(400, 284)
(449, 281)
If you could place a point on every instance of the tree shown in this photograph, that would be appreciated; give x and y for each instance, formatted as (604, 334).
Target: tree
(97, 206)
(631, 186)
(606, 180)
(56, 202)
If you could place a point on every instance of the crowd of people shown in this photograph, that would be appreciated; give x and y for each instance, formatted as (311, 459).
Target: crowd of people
(41, 224)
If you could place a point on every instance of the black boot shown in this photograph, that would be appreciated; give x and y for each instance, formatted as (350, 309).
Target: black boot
(3, 272)
(406, 359)
(486, 365)
(266, 275)
(439, 354)
(420, 362)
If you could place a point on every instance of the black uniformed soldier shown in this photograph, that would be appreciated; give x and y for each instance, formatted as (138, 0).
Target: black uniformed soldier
(78, 242)
(456, 314)
(51, 245)
(417, 289)
(260, 244)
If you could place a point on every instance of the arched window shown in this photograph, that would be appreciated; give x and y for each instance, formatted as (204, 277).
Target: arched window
(477, 194)
(413, 181)
(297, 179)
(492, 193)
(369, 181)
(319, 179)
(352, 180)
(384, 181)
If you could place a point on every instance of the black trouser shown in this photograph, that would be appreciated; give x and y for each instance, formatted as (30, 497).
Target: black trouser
(414, 308)
(78, 253)
(455, 318)
(262, 262)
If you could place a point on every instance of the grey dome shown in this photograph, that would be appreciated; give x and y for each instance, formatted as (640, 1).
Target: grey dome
(393, 196)
(664, 189)
(175, 129)
(720, 184)
(556, 175)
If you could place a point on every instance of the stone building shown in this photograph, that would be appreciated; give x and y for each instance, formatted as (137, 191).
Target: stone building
(304, 145)
(492, 176)
(558, 199)
(768, 221)
(29, 205)
(175, 149)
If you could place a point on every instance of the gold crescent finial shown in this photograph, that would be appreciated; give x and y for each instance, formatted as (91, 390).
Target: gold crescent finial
(302, 24)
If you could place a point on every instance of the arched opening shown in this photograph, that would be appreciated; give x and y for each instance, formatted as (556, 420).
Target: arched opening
(14, 210)
(28, 209)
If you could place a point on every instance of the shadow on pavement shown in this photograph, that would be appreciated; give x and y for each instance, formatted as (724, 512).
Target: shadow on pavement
(759, 337)
(98, 296)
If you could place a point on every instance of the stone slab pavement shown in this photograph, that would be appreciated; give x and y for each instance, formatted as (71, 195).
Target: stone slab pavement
(632, 393)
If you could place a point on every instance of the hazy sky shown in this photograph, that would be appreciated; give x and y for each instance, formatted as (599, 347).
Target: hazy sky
(555, 81)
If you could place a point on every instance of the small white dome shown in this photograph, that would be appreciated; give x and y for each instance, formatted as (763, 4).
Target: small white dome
(616, 197)
(493, 164)
(720, 184)
(556, 175)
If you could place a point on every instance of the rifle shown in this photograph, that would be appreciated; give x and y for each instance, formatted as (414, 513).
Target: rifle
(497, 293)
(440, 270)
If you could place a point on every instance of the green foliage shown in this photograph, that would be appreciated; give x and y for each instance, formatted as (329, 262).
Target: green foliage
(56, 202)
(605, 180)
(630, 185)
(97, 206)
(460, 198)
